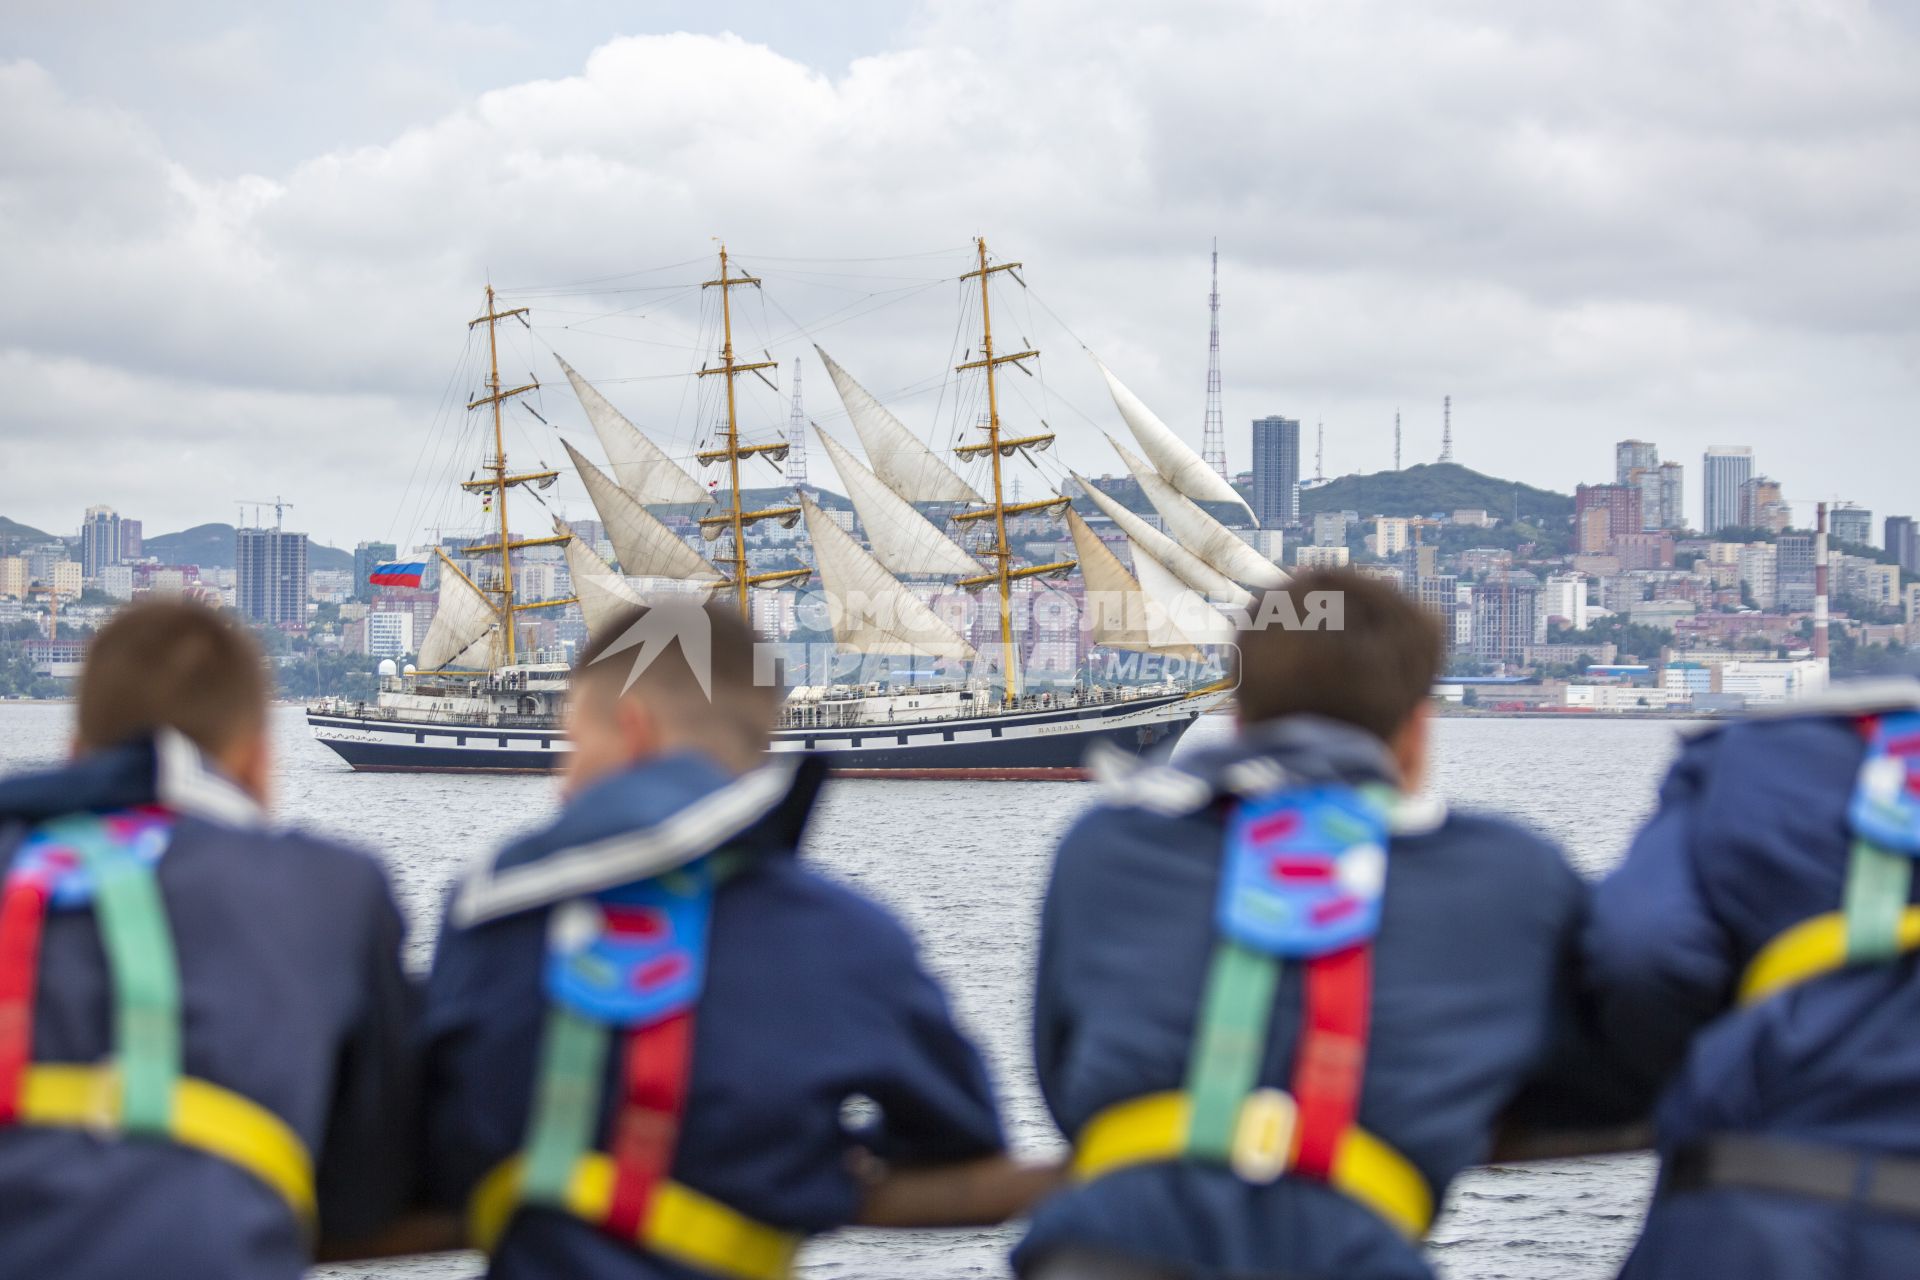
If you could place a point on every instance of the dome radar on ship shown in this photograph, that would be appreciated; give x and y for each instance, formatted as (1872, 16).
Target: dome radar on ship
(409, 671)
(387, 668)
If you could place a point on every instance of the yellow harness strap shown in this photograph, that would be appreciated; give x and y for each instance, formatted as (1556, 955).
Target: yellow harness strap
(1811, 949)
(1153, 1128)
(682, 1224)
(205, 1117)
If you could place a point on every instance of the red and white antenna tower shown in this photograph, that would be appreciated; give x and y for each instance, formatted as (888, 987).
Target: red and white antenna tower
(797, 435)
(1213, 439)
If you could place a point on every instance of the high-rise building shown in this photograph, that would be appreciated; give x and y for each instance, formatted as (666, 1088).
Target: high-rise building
(1903, 540)
(132, 546)
(1723, 470)
(1763, 505)
(389, 633)
(365, 557)
(1793, 571)
(99, 540)
(1631, 457)
(14, 577)
(270, 576)
(1850, 524)
(1503, 620)
(1673, 497)
(1621, 502)
(1276, 471)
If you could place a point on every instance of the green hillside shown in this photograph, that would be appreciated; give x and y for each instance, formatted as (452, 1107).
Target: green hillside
(13, 534)
(1438, 487)
(211, 546)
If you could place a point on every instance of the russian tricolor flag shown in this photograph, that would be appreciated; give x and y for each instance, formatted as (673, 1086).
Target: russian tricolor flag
(398, 575)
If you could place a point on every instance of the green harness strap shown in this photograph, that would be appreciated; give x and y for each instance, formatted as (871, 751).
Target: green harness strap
(146, 976)
(1878, 884)
(1235, 1014)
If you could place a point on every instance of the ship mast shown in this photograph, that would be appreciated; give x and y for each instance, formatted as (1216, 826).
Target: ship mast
(735, 517)
(499, 482)
(995, 447)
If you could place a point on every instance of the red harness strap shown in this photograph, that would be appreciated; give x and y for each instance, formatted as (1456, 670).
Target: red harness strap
(23, 910)
(655, 1068)
(1332, 1055)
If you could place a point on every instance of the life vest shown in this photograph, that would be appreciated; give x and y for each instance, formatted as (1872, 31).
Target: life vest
(140, 1092)
(624, 972)
(1301, 883)
(1875, 923)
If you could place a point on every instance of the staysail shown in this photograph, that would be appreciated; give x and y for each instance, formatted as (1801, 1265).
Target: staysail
(647, 548)
(1172, 457)
(637, 463)
(1121, 615)
(872, 612)
(604, 594)
(903, 540)
(902, 462)
(465, 631)
(1199, 532)
(1185, 608)
(1190, 568)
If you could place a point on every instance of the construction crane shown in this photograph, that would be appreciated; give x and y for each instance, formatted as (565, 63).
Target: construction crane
(276, 502)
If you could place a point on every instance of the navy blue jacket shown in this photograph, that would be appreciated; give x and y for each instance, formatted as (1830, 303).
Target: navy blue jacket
(1471, 972)
(1750, 838)
(292, 995)
(814, 997)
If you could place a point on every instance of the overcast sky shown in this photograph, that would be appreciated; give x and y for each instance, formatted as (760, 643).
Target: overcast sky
(241, 242)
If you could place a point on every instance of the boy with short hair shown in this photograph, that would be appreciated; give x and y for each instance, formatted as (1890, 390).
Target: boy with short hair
(204, 1024)
(1282, 996)
(653, 1033)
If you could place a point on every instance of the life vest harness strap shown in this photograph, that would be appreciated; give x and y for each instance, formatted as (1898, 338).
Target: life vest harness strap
(681, 1224)
(1155, 1128)
(141, 1092)
(1875, 923)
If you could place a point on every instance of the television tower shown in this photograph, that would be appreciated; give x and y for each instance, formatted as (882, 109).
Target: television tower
(1320, 451)
(1446, 428)
(1396, 439)
(1213, 437)
(797, 435)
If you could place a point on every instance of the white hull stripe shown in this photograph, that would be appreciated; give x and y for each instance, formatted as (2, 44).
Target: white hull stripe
(700, 828)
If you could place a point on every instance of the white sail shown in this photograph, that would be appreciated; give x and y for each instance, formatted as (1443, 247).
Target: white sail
(647, 548)
(1199, 532)
(902, 539)
(1185, 609)
(604, 594)
(1122, 617)
(637, 463)
(872, 612)
(465, 631)
(1173, 458)
(902, 462)
(1190, 568)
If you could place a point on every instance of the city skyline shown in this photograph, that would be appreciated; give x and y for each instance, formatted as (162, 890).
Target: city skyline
(331, 265)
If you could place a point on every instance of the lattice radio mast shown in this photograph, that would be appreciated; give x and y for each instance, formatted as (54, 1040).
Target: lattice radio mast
(797, 435)
(1213, 438)
(1320, 451)
(1396, 439)
(1446, 428)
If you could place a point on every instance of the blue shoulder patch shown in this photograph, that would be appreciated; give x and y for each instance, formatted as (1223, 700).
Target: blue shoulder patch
(1885, 809)
(634, 955)
(1304, 871)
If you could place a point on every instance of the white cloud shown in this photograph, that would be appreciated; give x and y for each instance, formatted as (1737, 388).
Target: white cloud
(1688, 223)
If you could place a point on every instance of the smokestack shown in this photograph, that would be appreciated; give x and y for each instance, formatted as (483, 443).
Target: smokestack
(1820, 583)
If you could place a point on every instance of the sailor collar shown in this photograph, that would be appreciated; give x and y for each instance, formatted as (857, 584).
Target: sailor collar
(1849, 698)
(184, 782)
(779, 789)
(1128, 781)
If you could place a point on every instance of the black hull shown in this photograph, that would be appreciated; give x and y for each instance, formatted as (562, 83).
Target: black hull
(1036, 745)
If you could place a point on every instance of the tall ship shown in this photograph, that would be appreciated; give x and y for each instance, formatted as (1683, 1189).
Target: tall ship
(472, 704)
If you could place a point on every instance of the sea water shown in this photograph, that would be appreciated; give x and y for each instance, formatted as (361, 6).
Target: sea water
(964, 863)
